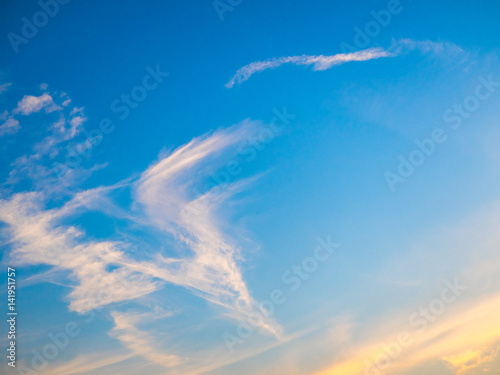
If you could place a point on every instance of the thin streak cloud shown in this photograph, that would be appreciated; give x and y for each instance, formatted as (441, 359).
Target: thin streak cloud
(322, 62)
(319, 62)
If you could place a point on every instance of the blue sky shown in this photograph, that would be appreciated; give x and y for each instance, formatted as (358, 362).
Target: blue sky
(243, 187)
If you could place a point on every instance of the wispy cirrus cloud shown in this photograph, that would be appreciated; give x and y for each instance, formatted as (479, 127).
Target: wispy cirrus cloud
(38, 237)
(140, 342)
(319, 62)
(86, 363)
(322, 62)
(166, 192)
(101, 273)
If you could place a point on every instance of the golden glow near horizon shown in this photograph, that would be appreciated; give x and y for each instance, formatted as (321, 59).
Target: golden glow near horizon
(465, 339)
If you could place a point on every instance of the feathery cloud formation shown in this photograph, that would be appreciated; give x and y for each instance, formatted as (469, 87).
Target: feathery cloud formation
(321, 62)
(102, 273)
(166, 191)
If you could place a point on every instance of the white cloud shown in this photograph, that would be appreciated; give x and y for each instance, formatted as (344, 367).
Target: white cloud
(10, 126)
(52, 163)
(38, 238)
(164, 190)
(30, 104)
(210, 265)
(105, 272)
(76, 122)
(76, 110)
(140, 342)
(321, 62)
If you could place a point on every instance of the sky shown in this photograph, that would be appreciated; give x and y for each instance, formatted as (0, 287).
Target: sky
(250, 187)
